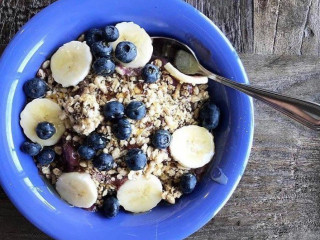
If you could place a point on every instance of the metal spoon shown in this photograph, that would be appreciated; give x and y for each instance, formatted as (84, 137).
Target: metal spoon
(307, 113)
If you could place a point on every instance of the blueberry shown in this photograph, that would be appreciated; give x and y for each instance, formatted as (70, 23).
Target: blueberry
(45, 130)
(100, 49)
(113, 110)
(126, 52)
(103, 162)
(35, 88)
(161, 139)
(122, 129)
(103, 67)
(136, 110)
(188, 182)
(135, 159)
(110, 33)
(150, 73)
(46, 156)
(110, 207)
(30, 148)
(209, 116)
(86, 152)
(96, 141)
(93, 35)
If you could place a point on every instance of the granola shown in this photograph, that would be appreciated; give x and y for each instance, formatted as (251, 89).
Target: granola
(170, 105)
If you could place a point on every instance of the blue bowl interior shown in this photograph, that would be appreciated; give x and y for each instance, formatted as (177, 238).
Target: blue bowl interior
(36, 41)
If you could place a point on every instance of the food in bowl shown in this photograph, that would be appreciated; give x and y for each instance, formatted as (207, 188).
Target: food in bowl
(111, 125)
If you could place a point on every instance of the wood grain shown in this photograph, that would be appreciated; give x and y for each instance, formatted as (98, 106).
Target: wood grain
(279, 194)
(286, 27)
(234, 18)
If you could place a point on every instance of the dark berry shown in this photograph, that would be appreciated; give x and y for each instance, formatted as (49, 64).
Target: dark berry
(96, 141)
(45, 130)
(100, 49)
(110, 33)
(30, 148)
(209, 116)
(150, 73)
(70, 157)
(93, 35)
(86, 152)
(35, 88)
(110, 207)
(103, 162)
(135, 159)
(126, 52)
(122, 129)
(113, 110)
(46, 156)
(161, 139)
(188, 182)
(136, 110)
(103, 67)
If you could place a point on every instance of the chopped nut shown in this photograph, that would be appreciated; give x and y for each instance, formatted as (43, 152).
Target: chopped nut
(105, 193)
(81, 38)
(58, 150)
(41, 74)
(45, 64)
(116, 153)
(158, 63)
(68, 138)
(45, 170)
(83, 164)
(76, 138)
(57, 171)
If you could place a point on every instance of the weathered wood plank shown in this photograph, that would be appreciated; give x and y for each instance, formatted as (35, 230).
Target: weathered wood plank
(234, 18)
(310, 40)
(265, 24)
(286, 27)
(15, 13)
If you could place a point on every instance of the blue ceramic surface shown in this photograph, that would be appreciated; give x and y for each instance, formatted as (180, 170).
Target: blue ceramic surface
(64, 21)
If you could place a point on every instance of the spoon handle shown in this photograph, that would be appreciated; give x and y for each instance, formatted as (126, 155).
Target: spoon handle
(307, 113)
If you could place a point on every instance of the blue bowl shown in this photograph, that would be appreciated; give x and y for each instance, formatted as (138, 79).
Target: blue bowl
(63, 21)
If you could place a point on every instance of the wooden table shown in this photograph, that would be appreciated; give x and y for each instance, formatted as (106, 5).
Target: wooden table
(279, 194)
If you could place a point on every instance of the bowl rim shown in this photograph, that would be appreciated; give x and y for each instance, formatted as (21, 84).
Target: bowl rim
(28, 213)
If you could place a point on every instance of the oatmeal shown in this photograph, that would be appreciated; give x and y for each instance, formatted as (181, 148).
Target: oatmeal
(129, 125)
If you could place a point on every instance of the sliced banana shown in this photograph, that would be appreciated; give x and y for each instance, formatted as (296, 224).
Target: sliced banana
(183, 78)
(42, 110)
(140, 194)
(71, 63)
(192, 146)
(78, 189)
(129, 31)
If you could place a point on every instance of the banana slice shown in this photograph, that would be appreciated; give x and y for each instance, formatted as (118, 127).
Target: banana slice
(140, 194)
(129, 31)
(192, 146)
(78, 189)
(71, 63)
(42, 110)
(183, 78)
